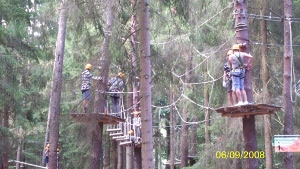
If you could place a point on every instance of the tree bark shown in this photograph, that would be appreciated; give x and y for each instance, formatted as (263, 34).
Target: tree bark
(55, 97)
(100, 97)
(207, 116)
(96, 148)
(172, 130)
(145, 75)
(249, 131)
(185, 112)
(266, 95)
(5, 141)
(288, 158)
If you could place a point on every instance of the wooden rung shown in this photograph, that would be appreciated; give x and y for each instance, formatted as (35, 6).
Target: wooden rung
(122, 139)
(112, 130)
(116, 134)
(125, 143)
(119, 137)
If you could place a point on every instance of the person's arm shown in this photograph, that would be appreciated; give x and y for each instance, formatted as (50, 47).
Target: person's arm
(249, 58)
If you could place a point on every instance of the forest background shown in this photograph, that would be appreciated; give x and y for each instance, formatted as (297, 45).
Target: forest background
(189, 40)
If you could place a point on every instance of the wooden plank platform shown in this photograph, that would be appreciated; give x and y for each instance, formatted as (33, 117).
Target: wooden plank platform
(247, 110)
(94, 117)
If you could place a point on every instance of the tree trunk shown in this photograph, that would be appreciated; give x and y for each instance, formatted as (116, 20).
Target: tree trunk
(19, 151)
(145, 75)
(172, 130)
(129, 155)
(288, 158)
(266, 96)
(100, 97)
(55, 97)
(138, 156)
(184, 129)
(249, 131)
(135, 79)
(207, 116)
(114, 154)
(5, 142)
(96, 148)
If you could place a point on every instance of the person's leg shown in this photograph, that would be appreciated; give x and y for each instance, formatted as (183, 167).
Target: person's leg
(86, 99)
(229, 97)
(113, 105)
(118, 110)
(243, 92)
(236, 89)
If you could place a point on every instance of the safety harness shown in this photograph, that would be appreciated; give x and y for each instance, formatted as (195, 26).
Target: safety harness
(241, 65)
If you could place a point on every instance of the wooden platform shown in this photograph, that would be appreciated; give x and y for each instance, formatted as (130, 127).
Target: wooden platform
(93, 117)
(247, 110)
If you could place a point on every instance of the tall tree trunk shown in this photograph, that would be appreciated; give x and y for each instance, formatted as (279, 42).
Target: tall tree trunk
(207, 116)
(129, 155)
(5, 142)
(145, 75)
(184, 128)
(96, 148)
(107, 147)
(172, 130)
(288, 158)
(249, 131)
(20, 143)
(207, 121)
(135, 79)
(114, 154)
(56, 85)
(266, 95)
(100, 97)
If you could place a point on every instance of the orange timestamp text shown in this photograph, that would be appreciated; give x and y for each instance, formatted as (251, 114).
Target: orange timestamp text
(239, 154)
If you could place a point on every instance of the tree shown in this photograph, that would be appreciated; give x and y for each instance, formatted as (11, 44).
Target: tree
(55, 98)
(185, 113)
(145, 75)
(265, 80)
(288, 157)
(104, 61)
(249, 131)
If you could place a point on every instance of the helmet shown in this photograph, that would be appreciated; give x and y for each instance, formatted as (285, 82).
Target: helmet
(236, 47)
(48, 145)
(88, 66)
(229, 52)
(121, 75)
(130, 132)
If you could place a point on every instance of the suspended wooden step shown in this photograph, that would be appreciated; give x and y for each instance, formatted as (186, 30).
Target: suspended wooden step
(95, 117)
(116, 134)
(113, 130)
(126, 143)
(122, 139)
(119, 137)
(247, 110)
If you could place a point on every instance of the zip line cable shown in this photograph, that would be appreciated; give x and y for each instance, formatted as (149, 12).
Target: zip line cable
(189, 33)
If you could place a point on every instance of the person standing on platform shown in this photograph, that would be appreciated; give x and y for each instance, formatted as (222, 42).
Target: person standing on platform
(227, 81)
(238, 69)
(47, 150)
(115, 85)
(137, 124)
(86, 77)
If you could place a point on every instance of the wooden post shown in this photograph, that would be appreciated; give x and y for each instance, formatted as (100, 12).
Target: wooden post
(249, 132)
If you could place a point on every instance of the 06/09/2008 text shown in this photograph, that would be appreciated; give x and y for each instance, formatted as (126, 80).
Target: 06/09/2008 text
(240, 154)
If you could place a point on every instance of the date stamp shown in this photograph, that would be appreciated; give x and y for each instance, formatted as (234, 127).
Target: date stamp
(239, 154)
